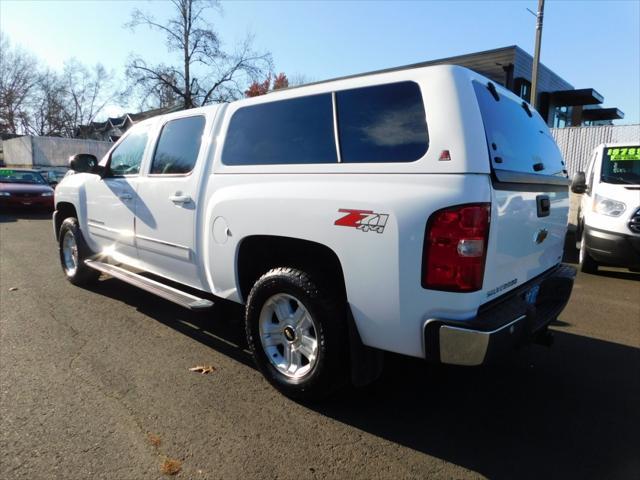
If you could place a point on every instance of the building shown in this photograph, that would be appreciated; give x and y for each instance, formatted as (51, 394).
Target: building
(559, 103)
(114, 127)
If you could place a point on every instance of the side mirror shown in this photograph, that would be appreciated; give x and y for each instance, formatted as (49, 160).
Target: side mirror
(579, 183)
(83, 163)
(53, 183)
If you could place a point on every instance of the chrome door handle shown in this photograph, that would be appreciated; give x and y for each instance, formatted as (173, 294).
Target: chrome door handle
(180, 198)
(125, 196)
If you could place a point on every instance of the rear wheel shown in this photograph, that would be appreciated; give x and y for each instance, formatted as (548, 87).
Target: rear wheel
(587, 264)
(297, 334)
(73, 252)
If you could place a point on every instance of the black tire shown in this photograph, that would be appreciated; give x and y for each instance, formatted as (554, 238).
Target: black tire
(331, 369)
(81, 275)
(587, 263)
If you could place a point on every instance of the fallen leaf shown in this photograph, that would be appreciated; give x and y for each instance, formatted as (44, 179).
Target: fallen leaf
(170, 466)
(154, 439)
(13, 289)
(203, 369)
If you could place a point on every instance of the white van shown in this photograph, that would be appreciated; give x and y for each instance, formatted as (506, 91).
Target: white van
(608, 227)
(421, 211)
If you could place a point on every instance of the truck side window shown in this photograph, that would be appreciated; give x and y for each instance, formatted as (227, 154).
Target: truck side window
(126, 158)
(178, 146)
(382, 123)
(294, 131)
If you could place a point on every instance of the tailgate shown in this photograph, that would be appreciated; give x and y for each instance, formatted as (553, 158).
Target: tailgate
(530, 196)
(522, 244)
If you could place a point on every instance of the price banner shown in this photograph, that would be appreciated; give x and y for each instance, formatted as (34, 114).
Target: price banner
(626, 153)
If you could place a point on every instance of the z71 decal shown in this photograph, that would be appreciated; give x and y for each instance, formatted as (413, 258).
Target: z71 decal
(365, 220)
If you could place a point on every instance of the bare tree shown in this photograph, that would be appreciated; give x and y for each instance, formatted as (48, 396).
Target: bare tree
(206, 73)
(298, 79)
(18, 77)
(89, 91)
(36, 101)
(48, 107)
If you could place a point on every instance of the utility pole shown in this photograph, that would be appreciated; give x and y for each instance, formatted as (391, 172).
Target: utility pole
(536, 53)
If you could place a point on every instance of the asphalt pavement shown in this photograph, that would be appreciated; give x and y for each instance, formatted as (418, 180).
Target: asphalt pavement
(95, 383)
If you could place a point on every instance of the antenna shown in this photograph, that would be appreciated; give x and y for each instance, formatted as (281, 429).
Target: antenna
(536, 53)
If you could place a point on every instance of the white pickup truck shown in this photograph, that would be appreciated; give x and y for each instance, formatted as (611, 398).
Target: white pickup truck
(421, 211)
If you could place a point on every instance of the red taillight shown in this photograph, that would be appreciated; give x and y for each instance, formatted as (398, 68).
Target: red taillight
(455, 248)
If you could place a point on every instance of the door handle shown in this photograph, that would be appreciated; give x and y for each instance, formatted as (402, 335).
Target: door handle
(543, 205)
(180, 198)
(125, 196)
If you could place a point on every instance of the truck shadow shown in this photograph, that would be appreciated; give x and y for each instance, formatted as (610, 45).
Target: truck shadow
(566, 412)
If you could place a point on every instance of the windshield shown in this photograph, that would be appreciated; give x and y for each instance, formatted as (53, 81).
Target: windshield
(621, 165)
(17, 176)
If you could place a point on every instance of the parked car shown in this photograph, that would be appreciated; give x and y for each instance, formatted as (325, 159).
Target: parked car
(54, 177)
(608, 229)
(420, 211)
(27, 189)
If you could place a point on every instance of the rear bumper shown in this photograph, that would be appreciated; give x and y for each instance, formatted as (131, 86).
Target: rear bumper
(613, 249)
(502, 324)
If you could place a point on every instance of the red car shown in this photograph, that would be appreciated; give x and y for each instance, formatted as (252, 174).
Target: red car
(26, 189)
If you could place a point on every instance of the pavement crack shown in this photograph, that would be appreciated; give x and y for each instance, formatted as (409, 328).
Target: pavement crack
(77, 354)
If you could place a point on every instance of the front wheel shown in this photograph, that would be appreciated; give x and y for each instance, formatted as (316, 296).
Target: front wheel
(73, 252)
(587, 264)
(297, 334)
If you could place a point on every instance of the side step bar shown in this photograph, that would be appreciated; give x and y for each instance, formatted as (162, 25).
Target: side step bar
(161, 290)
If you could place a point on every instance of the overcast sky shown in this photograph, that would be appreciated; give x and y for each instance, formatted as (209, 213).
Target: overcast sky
(589, 43)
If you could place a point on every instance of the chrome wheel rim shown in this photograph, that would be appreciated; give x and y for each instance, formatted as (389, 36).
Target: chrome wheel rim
(581, 252)
(288, 335)
(70, 254)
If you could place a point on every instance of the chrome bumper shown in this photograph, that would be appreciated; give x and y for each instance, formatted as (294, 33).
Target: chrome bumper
(462, 346)
(501, 325)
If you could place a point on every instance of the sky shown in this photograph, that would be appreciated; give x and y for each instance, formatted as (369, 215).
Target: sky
(589, 43)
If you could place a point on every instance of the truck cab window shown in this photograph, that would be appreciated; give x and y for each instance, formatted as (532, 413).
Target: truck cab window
(293, 131)
(178, 146)
(126, 158)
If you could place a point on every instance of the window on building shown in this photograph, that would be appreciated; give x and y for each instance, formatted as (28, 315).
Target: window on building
(126, 158)
(383, 123)
(523, 89)
(178, 146)
(294, 131)
(561, 117)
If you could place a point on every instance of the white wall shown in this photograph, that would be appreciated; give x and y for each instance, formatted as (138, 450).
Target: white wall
(49, 151)
(577, 143)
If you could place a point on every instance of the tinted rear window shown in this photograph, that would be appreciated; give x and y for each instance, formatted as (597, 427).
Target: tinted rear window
(383, 123)
(518, 141)
(294, 131)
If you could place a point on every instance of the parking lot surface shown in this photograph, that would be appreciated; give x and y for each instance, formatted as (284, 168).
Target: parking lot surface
(96, 384)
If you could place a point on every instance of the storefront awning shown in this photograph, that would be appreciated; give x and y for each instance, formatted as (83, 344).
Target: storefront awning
(592, 114)
(570, 98)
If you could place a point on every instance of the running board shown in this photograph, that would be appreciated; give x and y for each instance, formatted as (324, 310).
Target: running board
(161, 290)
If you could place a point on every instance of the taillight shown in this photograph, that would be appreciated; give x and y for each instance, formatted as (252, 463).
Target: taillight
(455, 248)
